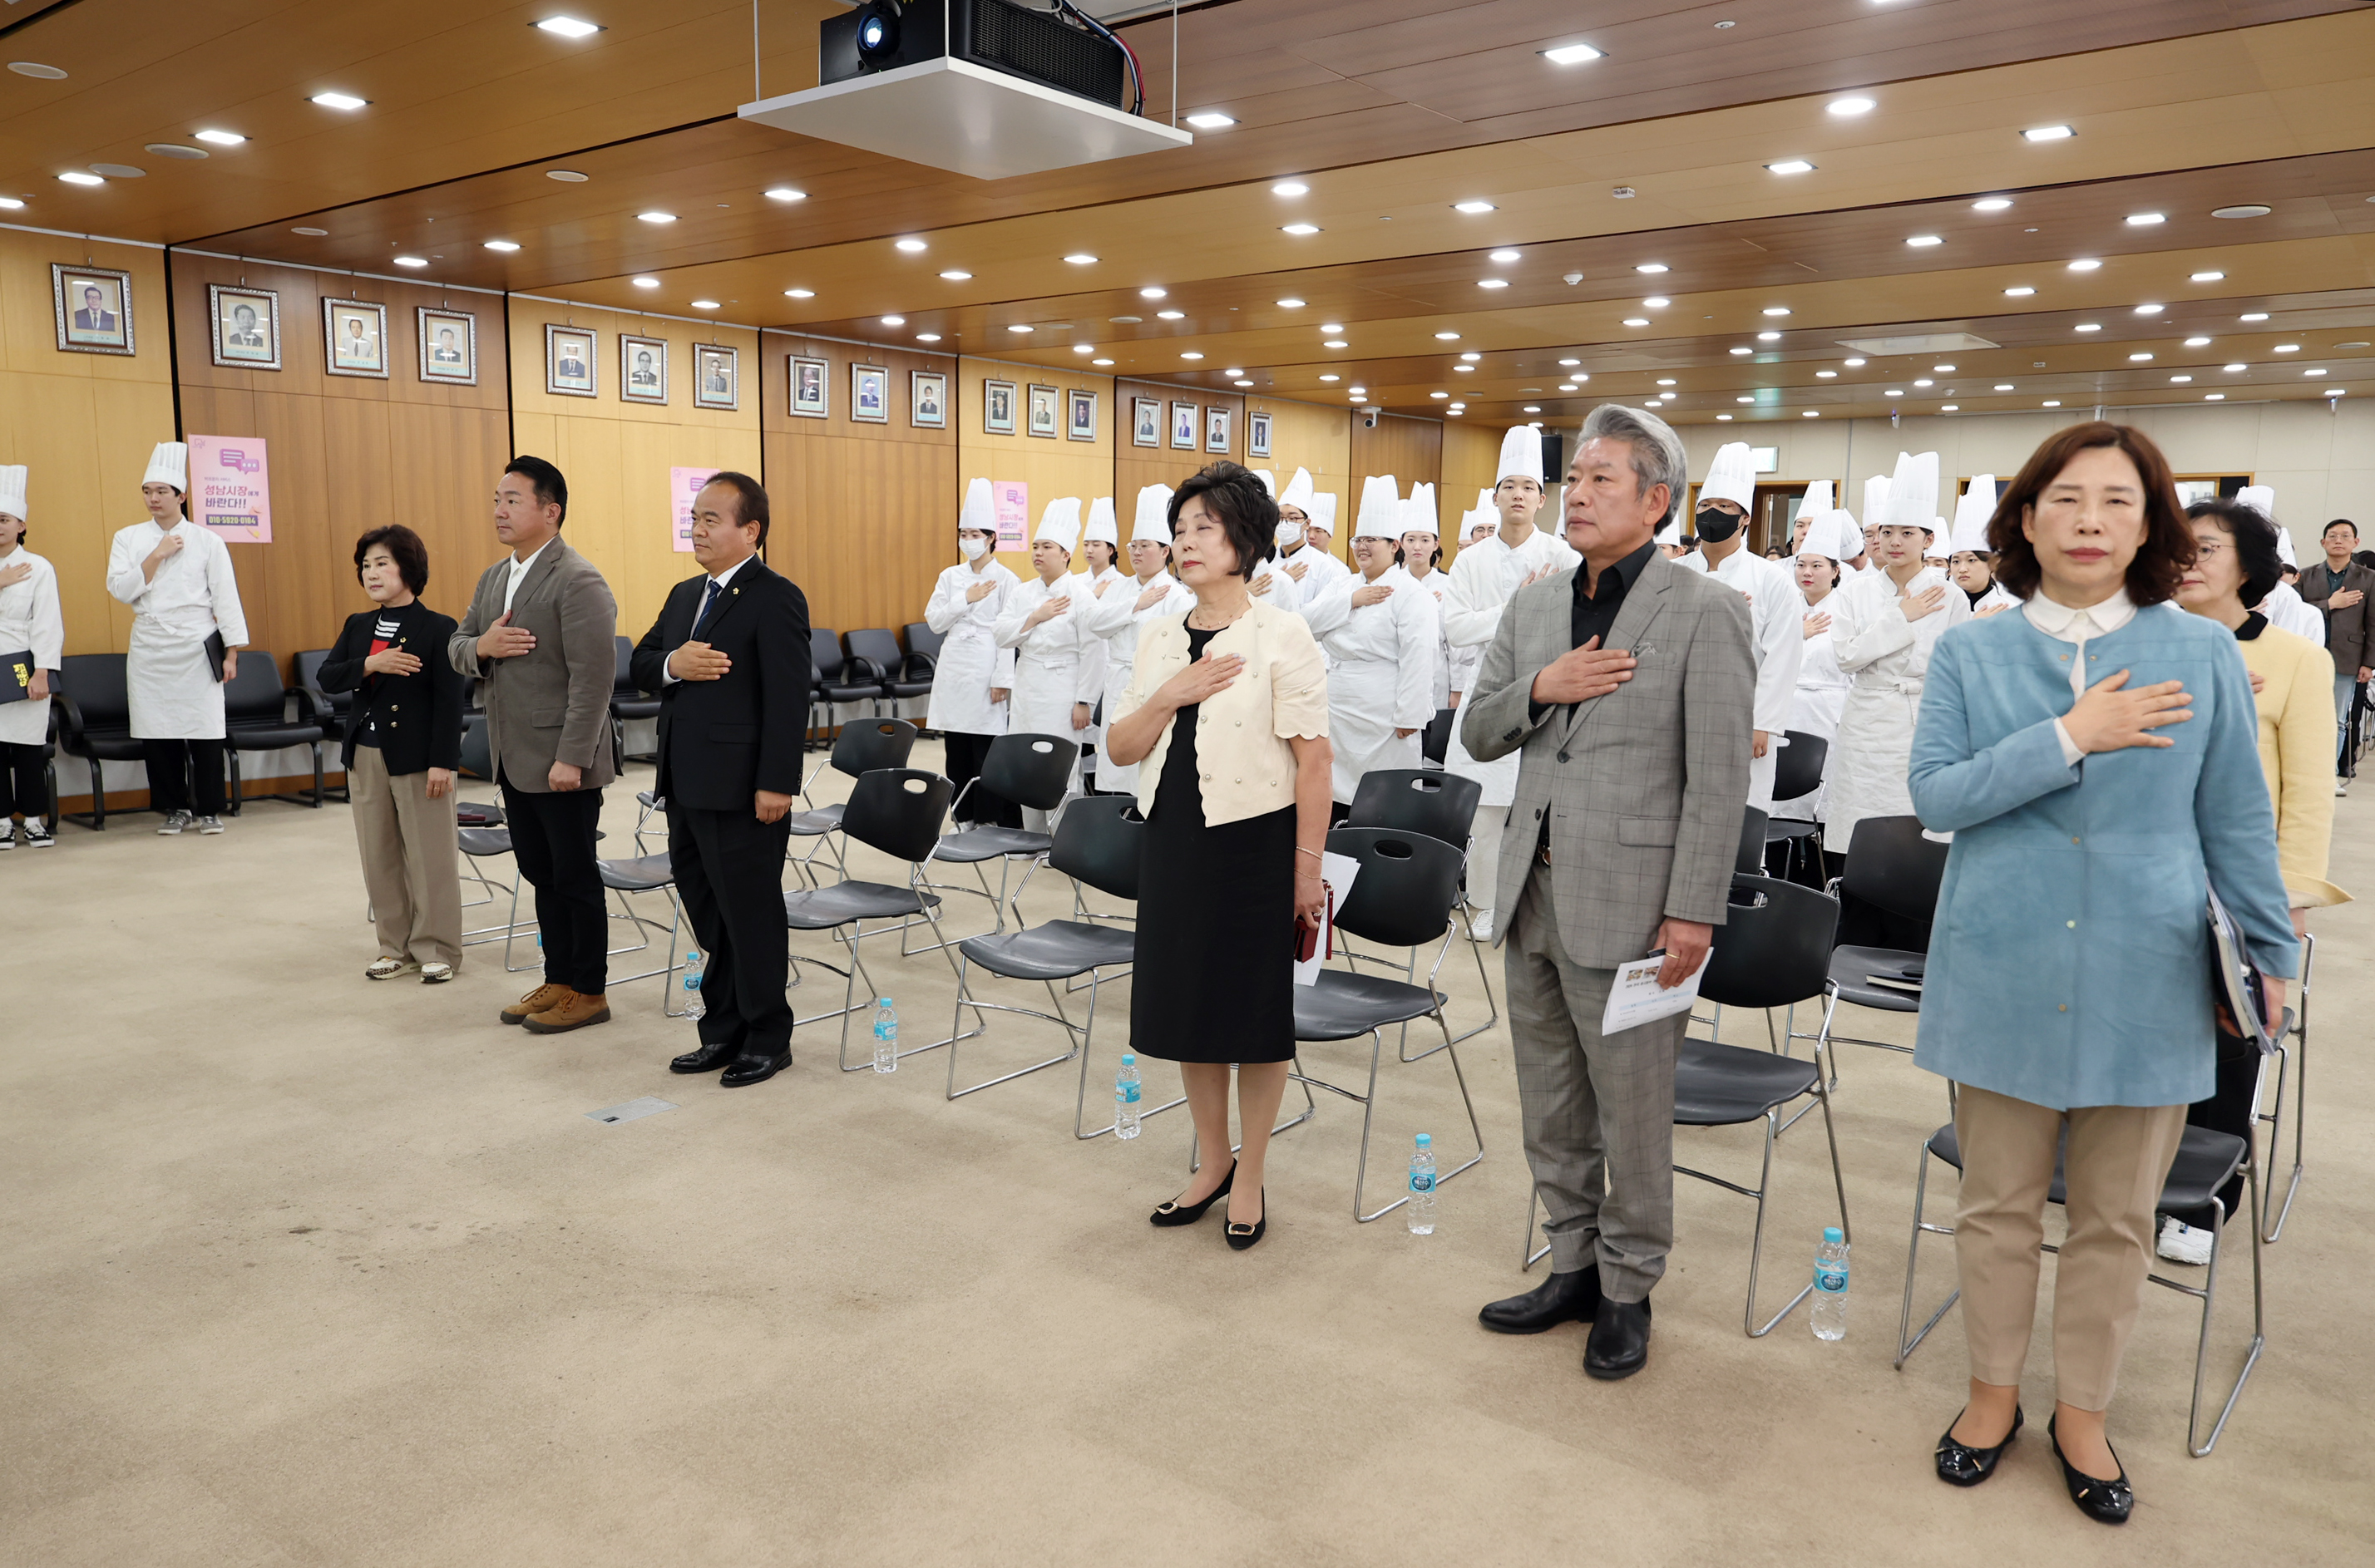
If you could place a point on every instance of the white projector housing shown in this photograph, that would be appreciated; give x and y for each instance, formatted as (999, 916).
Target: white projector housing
(950, 113)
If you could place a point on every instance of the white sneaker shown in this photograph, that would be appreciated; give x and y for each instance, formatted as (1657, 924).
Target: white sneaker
(7, 836)
(2341, 786)
(1481, 923)
(175, 823)
(38, 834)
(2184, 1244)
(211, 824)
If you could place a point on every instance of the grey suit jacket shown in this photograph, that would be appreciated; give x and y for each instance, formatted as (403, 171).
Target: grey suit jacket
(553, 702)
(1643, 788)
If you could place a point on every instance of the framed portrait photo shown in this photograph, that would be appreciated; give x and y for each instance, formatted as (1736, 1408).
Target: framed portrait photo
(1042, 412)
(1258, 434)
(1146, 421)
(94, 309)
(998, 408)
(449, 345)
(245, 326)
(927, 399)
(869, 394)
(811, 396)
(1216, 429)
(1183, 427)
(354, 338)
(1081, 414)
(716, 376)
(568, 360)
(643, 368)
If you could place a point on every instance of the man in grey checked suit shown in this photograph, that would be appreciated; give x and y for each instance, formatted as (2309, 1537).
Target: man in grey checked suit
(1629, 685)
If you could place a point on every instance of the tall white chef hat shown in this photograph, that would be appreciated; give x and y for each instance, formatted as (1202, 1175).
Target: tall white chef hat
(168, 465)
(1101, 523)
(1971, 514)
(1732, 477)
(1521, 455)
(1380, 512)
(1416, 513)
(1875, 499)
(12, 491)
(1817, 500)
(1912, 492)
(1061, 522)
(1298, 492)
(2261, 499)
(1154, 519)
(1323, 512)
(980, 511)
(1672, 534)
(1270, 481)
(1832, 535)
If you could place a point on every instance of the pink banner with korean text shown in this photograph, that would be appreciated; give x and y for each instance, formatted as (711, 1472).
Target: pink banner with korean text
(231, 488)
(684, 487)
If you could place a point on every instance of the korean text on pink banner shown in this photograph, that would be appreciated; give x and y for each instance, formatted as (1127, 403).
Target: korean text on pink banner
(684, 487)
(1013, 498)
(231, 488)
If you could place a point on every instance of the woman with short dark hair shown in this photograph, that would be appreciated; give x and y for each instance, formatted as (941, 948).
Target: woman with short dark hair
(402, 743)
(2096, 757)
(1227, 719)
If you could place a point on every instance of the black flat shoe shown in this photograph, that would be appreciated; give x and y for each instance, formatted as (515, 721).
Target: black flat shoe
(2105, 1502)
(708, 1059)
(1176, 1213)
(1243, 1236)
(748, 1070)
(1563, 1298)
(1961, 1464)
(1619, 1344)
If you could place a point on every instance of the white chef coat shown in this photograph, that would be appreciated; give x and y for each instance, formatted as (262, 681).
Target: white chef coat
(174, 693)
(1052, 666)
(1775, 617)
(1435, 585)
(1094, 653)
(30, 622)
(1886, 658)
(1284, 592)
(1321, 570)
(1114, 619)
(1484, 580)
(1994, 595)
(1822, 695)
(1380, 676)
(971, 663)
(2287, 612)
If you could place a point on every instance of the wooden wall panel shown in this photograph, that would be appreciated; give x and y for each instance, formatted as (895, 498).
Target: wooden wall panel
(1306, 435)
(1411, 450)
(1470, 453)
(1052, 468)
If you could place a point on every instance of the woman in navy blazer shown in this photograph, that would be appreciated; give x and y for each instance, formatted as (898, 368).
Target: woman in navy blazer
(2097, 757)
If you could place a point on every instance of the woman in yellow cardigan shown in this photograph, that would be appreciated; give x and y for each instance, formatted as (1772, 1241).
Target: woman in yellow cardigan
(2292, 685)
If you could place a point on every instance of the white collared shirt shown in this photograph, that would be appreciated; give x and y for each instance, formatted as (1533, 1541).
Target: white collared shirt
(2063, 624)
(519, 571)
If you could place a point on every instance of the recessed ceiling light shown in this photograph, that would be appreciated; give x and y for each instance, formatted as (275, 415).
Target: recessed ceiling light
(1080, 258)
(1776, 310)
(1471, 357)
(2089, 327)
(2179, 379)
(2247, 209)
(2335, 392)
(2003, 387)
(1018, 326)
(412, 261)
(175, 149)
(567, 176)
(1331, 326)
(2214, 397)
(1091, 349)
(1570, 362)
(2053, 403)
(10, 204)
(1826, 375)
(1289, 188)
(956, 274)
(1892, 391)
(1335, 343)
(1744, 400)
(1667, 380)
(1531, 408)
(2197, 343)
(221, 138)
(1569, 386)
(1211, 120)
(1811, 414)
(1170, 316)
(2254, 315)
(2148, 310)
(1472, 206)
(2237, 366)
(1852, 364)
(1657, 302)
(1636, 320)
(1290, 304)
(569, 27)
(1492, 283)
(1948, 408)
(1845, 107)
(902, 321)
(656, 217)
(1652, 266)
(2020, 292)
(1790, 166)
(1101, 361)
(788, 293)
(928, 337)
(1571, 55)
(1941, 370)
(309, 233)
(2209, 277)
(785, 194)
(1925, 380)
(1991, 203)
(339, 101)
(1724, 419)
(503, 245)
(910, 246)
(1504, 257)
(1768, 337)
(1242, 384)
(37, 71)
(77, 177)
(1463, 370)
(1438, 395)
(1358, 391)
(1923, 242)
(2146, 219)
(2139, 359)
(1447, 337)
(2319, 371)
(119, 171)
(1299, 228)
(2084, 264)
(2287, 349)
(2048, 133)
(1332, 378)
(1739, 351)
(704, 304)
(1153, 293)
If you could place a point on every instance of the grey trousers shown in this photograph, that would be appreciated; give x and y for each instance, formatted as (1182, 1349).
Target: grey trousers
(409, 868)
(1599, 1110)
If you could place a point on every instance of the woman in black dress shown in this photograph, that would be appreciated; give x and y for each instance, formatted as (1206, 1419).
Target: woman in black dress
(1227, 714)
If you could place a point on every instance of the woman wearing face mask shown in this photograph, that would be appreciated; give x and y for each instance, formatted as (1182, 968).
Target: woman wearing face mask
(31, 627)
(1822, 693)
(1122, 609)
(404, 740)
(1379, 631)
(974, 676)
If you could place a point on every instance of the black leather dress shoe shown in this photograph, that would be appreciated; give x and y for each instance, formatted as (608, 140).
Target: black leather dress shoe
(2105, 1502)
(1563, 1298)
(748, 1070)
(708, 1059)
(1961, 1464)
(1619, 1344)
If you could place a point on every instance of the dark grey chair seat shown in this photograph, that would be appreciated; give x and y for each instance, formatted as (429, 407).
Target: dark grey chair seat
(649, 801)
(823, 819)
(1721, 1086)
(1058, 950)
(478, 814)
(2206, 1162)
(987, 843)
(1343, 1005)
(1781, 828)
(645, 873)
(636, 707)
(822, 909)
(272, 736)
(1851, 968)
(483, 840)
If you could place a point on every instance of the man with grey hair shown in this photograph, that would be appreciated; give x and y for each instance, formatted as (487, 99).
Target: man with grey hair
(1626, 686)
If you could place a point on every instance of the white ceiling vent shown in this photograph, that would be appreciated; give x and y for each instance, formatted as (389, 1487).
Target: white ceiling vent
(1925, 343)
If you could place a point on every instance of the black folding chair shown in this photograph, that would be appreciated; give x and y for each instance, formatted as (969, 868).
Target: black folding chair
(1434, 741)
(477, 762)
(628, 702)
(1030, 769)
(255, 718)
(832, 683)
(1749, 858)
(2292, 1073)
(1891, 865)
(1442, 806)
(327, 709)
(859, 749)
(1798, 773)
(93, 710)
(878, 650)
(646, 874)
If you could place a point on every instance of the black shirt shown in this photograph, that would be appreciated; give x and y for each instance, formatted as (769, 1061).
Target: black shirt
(1596, 604)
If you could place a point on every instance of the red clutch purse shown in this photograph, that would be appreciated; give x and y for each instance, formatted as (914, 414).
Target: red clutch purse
(1307, 937)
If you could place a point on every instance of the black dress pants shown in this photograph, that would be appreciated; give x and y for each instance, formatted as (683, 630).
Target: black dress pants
(552, 840)
(729, 874)
(984, 806)
(184, 775)
(24, 783)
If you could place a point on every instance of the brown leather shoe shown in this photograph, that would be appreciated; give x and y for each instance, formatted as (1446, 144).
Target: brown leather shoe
(535, 1001)
(574, 1010)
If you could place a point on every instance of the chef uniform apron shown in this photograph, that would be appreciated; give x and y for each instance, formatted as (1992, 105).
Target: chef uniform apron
(970, 666)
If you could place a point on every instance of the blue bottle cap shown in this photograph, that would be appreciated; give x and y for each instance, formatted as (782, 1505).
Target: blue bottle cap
(881, 1001)
(1129, 1061)
(1831, 1233)
(1426, 1141)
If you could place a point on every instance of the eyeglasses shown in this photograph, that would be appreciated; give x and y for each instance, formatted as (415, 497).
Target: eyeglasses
(2210, 550)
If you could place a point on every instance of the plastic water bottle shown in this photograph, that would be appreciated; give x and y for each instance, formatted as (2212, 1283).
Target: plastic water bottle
(1128, 1095)
(1421, 1207)
(886, 1036)
(1831, 1286)
(696, 964)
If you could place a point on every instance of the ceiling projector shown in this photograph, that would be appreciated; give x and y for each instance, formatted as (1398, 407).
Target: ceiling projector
(984, 87)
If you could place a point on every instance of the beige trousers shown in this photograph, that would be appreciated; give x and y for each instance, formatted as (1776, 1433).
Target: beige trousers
(2118, 1156)
(409, 868)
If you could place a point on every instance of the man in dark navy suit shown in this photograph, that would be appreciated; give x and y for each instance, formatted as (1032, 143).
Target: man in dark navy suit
(729, 657)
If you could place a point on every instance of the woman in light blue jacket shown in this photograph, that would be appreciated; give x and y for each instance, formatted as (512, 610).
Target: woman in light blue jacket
(2097, 757)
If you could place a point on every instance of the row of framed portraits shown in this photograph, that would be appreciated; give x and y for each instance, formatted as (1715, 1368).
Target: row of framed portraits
(1192, 426)
(245, 333)
(572, 368)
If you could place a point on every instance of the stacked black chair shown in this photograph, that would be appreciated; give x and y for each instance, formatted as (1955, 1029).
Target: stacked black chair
(627, 702)
(1029, 769)
(1892, 867)
(1749, 859)
(480, 835)
(94, 718)
(1434, 741)
(477, 762)
(330, 710)
(1442, 806)
(645, 873)
(1797, 773)
(876, 653)
(831, 682)
(255, 717)
(859, 750)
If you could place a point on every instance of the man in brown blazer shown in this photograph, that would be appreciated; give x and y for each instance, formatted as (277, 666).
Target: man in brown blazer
(541, 635)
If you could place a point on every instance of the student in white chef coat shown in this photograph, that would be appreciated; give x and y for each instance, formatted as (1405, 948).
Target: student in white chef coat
(1822, 693)
(2284, 606)
(1423, 558)
(177, 578)
(1968, 560)
(1776, 620)
(1056, 680)
(1271, 583)
(1099, 549)
(1379, 629)
(1121, 609)
(1486, 577)
(33, 634)
(974, 677)
(1883, 625)
(1813, 504)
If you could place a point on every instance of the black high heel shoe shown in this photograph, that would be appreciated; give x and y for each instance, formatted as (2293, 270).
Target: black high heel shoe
(1243, 1236)
(1959, 1464)
(1176, 1213)
(2105, 1502)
